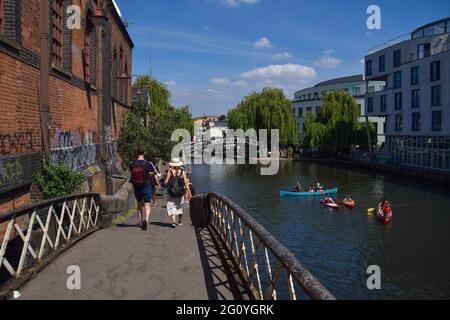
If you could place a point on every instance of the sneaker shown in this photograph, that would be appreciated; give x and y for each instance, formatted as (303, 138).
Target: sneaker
(180, 222)
(144, 225)
(174, 225)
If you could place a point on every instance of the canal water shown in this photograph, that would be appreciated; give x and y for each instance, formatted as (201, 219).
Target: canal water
(337, 247)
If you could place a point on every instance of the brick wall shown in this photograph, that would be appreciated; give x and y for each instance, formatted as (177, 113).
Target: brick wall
(74, 106)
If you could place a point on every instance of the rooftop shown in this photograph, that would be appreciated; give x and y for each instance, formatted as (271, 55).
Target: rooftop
(356, 78)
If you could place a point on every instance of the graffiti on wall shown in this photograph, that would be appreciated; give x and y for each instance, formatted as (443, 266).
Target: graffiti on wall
(113, 161)
(75, 149)
(17, 142)
(17, 171)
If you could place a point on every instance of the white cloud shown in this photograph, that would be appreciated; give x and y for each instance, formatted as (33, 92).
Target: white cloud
(239, 84)
(220, 81)
(328, 60)
(170, 83)
(212, 91)
(262, 43)
(284, 72)
(236, 3)
(282, 56)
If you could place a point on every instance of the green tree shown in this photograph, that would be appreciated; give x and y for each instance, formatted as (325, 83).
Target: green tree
(268, 109)
(336, 127)
(151, 126)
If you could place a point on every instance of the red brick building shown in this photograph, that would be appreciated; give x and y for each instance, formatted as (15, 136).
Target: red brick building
(63, 92)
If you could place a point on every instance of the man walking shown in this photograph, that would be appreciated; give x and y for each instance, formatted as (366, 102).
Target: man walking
(141, 178)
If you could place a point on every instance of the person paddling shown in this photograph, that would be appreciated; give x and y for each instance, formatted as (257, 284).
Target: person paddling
(298, 187)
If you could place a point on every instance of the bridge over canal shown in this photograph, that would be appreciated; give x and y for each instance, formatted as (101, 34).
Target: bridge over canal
(220, 253)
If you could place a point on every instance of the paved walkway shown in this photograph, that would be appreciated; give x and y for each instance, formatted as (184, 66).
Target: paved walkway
(124, 262)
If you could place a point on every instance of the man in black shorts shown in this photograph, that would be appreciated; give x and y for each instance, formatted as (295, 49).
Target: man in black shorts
(141, 177)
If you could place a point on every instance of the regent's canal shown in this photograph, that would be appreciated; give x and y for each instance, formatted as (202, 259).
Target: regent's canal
(337, 247)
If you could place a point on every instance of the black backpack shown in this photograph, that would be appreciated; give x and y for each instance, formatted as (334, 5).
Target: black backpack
(176, 186)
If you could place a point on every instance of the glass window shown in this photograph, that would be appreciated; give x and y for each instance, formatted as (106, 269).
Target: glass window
(371, 89)
(369, 67)
(370, 105)
(436, 122)
(448, 26)
(429, 31)
(439, 28)
(416, 121)
(397, 80)
(415, 98)
(436, 96)
(309, 109)
(1, 15)
(398, 101)
(398, 122)
(309, 96)
(397, 58)
(418, 34)
(383, 103)
(415, 76)
(382, 63)
(423, 51)
(357, 91)
(316, 95)
(317, 109)
(300, 112)
(435, 71)
(57, 32)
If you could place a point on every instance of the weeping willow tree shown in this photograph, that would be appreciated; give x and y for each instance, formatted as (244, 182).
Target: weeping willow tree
(152, 126)
(336, 127)
(268, 109)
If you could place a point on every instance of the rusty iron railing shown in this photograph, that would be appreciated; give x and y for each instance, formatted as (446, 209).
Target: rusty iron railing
(35, 234)
(266, 267)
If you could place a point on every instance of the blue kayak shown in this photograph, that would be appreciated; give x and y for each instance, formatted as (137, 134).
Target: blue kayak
(307, 194)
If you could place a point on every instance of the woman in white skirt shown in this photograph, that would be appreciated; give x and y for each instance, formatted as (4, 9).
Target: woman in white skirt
(176, 182)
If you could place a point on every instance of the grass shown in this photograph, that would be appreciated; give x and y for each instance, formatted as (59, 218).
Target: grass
(120, 219)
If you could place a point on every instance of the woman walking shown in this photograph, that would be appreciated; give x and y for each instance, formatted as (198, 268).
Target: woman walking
(176, 182)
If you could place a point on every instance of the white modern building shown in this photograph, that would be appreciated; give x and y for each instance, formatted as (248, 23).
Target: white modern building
(415, 101)
(310, 100)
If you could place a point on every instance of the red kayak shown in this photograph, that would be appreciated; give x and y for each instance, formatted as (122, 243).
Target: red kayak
(384, 215)
(329, 204)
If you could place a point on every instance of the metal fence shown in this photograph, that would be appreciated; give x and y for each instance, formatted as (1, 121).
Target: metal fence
(266, 267)
(34, 234)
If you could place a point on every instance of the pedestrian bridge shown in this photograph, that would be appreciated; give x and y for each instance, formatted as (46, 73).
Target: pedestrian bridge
(220, 253)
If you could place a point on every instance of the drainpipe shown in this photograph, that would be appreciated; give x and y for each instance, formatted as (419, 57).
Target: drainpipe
(44, 36)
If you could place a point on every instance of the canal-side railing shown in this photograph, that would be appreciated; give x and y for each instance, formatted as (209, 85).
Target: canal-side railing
(32, 236)
(268, 268)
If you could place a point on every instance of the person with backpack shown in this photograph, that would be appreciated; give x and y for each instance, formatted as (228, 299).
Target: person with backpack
(176, 182)
(141, 178)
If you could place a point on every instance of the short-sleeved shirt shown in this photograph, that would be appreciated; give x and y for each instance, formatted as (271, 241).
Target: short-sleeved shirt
(149, 169)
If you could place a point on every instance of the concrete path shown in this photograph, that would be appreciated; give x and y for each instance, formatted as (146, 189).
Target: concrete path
(124, 262)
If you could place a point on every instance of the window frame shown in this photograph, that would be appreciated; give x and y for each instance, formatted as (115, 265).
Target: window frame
(369, 63)
(399, 122)
(369, 104)
(415, 99)
(434, 126)
(382, 66)
(398, 102)
(397, 84)
(57, 33)
(416, 121)
(435, 103)
(1, 16)
(415, 72)
(435, 76)
(397, 58)
(383, 103)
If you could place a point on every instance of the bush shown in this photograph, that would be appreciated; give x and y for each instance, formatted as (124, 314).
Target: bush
(58, 181)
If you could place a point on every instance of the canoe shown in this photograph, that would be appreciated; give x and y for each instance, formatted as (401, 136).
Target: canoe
(349, 204)
(382, 218)
(307, 194)
(330, 205)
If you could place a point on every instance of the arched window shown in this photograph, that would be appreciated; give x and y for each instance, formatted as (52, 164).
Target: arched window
(57, 33)
(1, 15)
(87, 49)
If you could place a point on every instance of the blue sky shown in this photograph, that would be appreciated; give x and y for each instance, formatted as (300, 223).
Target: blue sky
(212, 53)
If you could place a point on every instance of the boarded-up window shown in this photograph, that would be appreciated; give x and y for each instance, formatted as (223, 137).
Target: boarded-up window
(57, 32)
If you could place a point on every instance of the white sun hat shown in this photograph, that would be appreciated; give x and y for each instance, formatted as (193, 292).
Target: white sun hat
(176, 163)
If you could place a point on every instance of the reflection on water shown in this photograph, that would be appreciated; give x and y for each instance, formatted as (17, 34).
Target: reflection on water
(413, 252)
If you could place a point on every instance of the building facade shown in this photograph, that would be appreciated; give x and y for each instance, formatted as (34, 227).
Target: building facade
(310, 100)
(60, 91)
(415, 101)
